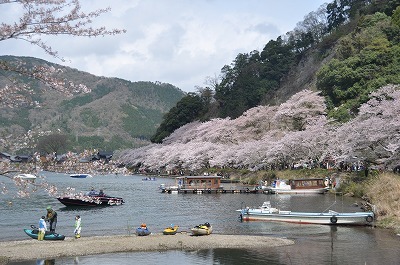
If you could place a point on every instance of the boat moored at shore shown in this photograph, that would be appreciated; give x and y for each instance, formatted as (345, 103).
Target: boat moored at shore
(268, 213)
(171, 230)
(298, 186)
(201, 230)
(205, 185)
(34, 232)
(142, 230)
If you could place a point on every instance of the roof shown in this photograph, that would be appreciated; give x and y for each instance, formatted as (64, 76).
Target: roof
(199, 177)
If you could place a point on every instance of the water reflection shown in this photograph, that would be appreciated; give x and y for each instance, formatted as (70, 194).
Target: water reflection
(46, 262)
(315, 244)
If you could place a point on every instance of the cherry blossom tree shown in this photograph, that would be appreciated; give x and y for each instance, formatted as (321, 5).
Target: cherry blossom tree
(279, 136)
(39, 18)
(374, 134)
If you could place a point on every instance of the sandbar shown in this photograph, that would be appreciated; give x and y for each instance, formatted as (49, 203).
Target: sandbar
(70, 247)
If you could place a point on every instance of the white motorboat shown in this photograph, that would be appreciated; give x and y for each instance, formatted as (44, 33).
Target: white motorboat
(25, 176)
(268, 213)
(80, 176)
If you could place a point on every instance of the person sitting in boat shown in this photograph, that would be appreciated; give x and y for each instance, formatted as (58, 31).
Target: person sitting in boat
(101, 193)
(143, 226)
(92, 192)
(51, 217)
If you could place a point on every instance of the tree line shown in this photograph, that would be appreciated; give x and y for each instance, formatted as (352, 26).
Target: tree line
(365, 34)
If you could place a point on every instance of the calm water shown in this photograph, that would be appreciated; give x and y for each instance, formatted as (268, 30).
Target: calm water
(315, 244)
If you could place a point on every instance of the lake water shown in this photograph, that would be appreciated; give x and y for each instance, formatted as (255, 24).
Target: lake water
(144, 203)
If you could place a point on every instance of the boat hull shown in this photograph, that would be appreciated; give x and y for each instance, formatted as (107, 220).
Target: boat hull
(30, 177)
(80, 176)
(329, 218)
(91, 201)
(201, 231)
(171, 230)
(33, 233)
(296, 191)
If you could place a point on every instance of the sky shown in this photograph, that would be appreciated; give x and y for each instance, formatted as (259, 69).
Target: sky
(181, 42)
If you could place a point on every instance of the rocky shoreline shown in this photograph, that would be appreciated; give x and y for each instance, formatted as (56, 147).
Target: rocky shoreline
(70, 247)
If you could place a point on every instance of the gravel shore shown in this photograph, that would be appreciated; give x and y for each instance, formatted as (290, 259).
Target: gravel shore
(70, 247)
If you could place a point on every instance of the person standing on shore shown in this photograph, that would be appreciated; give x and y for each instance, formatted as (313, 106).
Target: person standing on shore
(42, 228)
(78, 226)
(51, 217)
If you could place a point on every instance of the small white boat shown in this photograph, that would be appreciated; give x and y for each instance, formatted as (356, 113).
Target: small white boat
(267, 213)
(25, 176)
(201, 230)
(80, 176)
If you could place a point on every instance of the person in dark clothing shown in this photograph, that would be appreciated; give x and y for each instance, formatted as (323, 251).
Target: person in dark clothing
(51, 217)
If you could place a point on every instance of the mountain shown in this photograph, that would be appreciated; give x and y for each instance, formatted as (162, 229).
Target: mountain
(111, 113)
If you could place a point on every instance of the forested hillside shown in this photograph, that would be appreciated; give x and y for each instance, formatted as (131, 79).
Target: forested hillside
(335, 68)
(102, 113)
(346, 49)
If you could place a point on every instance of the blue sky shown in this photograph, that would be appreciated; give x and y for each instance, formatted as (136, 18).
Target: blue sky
(181, 42)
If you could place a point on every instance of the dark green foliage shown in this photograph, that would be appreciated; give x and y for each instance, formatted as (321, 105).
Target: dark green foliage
(53, 143)
(250, 77)
(340, 11)
(90, 118)
(140, 122)
(396, 16)
(90, 142)
(188, 109)
(101, 91)
(365, 61)
(21, 118)
(77, 101)
(277, 58)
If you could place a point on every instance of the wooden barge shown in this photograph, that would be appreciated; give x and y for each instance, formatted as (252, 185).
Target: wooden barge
(204, 184)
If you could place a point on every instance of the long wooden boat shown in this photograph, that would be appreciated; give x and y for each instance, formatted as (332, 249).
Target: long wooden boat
(267, 213)
(33, 233)
(90, 200)
(298, 186)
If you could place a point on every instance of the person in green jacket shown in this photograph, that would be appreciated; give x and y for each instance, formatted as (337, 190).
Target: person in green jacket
(51, 217)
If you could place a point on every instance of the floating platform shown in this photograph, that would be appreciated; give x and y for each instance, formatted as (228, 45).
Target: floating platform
(205, 185)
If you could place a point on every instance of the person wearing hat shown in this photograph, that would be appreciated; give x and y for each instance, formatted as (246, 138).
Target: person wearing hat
(51, 217)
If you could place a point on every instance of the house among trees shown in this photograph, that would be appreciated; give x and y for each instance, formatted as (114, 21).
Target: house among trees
(106, 155)
(101, 155)
(4, 156)
(16, 158)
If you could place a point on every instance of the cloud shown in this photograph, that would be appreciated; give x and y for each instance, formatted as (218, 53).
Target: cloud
(176, 41)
